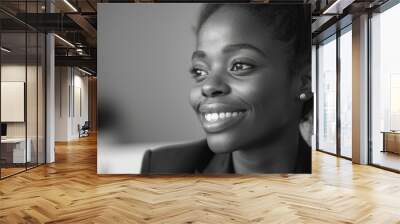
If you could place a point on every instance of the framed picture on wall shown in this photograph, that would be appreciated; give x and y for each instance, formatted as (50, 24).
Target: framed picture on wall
(204, 88)
(12, 101)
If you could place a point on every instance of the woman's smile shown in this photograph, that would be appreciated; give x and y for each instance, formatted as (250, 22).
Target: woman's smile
(217, 117)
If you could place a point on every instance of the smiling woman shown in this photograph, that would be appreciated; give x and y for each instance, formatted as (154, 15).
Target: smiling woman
(251, 93)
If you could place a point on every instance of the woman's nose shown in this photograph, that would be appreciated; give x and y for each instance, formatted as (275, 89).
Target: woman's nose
(215, 86)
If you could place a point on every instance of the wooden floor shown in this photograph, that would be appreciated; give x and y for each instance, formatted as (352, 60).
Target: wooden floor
(387, 159)
(8, 171)
(5, 172)
(70, 191)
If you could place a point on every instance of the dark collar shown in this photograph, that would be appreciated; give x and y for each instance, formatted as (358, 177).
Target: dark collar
(223, 163)
(220, 163)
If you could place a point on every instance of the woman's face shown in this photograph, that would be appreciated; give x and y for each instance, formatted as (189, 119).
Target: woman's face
(244, 94)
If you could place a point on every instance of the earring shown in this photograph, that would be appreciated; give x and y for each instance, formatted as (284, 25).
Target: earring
(303, 97)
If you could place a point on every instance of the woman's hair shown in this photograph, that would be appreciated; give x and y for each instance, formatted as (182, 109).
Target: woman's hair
(291, 24)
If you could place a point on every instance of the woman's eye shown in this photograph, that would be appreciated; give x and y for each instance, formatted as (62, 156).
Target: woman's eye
(198, 74)
(240, 66)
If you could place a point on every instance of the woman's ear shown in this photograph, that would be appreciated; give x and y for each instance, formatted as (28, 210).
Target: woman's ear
(306, 123)
(305, 82)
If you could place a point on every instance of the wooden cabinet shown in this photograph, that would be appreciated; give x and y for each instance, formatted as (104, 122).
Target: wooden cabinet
(391, 142)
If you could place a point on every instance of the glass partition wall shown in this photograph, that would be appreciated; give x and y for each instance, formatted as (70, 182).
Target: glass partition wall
(22, 98)
(385, 89)
(334, 84)
(13, 88)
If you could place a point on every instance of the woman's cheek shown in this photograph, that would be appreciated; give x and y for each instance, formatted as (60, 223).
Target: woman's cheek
(195, 96)
(254, 91)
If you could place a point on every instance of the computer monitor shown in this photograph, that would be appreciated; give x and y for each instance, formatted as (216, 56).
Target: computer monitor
(3, 129)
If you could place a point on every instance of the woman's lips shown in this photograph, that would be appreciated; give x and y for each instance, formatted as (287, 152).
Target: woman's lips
(218, 117)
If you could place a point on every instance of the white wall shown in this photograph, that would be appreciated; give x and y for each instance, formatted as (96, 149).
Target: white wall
(33, 126)
(80, 85)
(14, 73)
(61, 103)
(17, 73)
(69, 82)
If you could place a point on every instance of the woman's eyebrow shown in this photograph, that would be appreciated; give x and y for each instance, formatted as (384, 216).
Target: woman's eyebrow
(236, 47)
(198, 54)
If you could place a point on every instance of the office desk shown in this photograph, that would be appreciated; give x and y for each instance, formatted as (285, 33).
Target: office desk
(13, 150)
(391, 141)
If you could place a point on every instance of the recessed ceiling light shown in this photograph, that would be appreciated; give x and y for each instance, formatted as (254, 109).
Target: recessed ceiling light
(84, 71)
(70, 5)
(65, 41)
(5, 50)
(337, 6)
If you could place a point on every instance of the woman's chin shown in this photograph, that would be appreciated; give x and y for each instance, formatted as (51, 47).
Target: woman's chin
(219, 143)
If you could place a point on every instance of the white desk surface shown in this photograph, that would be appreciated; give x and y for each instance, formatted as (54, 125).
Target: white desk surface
(21, 154)
(13, 140)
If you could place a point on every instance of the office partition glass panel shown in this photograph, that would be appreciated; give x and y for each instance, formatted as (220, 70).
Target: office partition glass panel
(346, 93)
(14, 153)
(385, 89)
(327, 96)
(22, 88)
(31, 97)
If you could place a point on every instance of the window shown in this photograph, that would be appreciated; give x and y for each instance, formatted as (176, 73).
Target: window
(385, 89)
(327, 95)
(346, 93)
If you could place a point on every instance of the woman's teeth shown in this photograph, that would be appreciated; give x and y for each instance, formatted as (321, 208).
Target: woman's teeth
(212, 117)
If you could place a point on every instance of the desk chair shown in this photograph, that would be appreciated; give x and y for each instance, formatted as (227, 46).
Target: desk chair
(84, 130)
